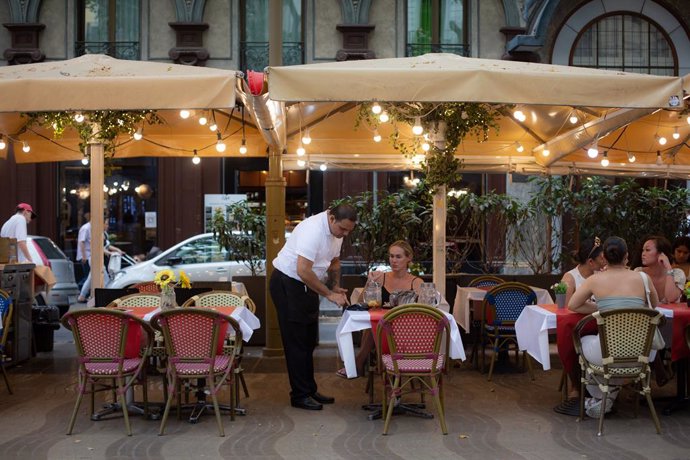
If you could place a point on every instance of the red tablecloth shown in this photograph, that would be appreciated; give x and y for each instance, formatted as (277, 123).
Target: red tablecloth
(681, 319)
(375, 316)
(566, 321)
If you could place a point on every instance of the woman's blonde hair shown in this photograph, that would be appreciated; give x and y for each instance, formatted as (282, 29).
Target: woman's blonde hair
(405, 246)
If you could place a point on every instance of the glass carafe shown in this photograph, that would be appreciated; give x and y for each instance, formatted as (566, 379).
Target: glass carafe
(372, 294)
(428, 295)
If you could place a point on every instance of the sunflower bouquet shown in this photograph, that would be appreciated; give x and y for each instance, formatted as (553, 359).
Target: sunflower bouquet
(686, 291)
(167, 281)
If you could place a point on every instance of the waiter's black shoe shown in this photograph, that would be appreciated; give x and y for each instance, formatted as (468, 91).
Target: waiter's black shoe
(306, 403)
(318, 397)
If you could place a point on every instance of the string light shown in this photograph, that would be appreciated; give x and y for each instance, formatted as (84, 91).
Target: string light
(573, 118)
(85, 160)
(688, 120)
(306, 139)
(220, 145)
(138, 134)
(384, 117)
(195, 159)
(203, 120)
(300, 150)
(659, 160)
(519, 147)
(323, 167)
(593, 150)
(376, 108)
(213, 126)
(26, 147)
(184, 114)
(301, 163)
(425, 146)
(417, 129)
(676, 134)
(546, 152)
(377, 136)
(605, 160)
(243, 147)
(660, 139)
(3, 144)
(631, 157)
(519, 115)
(78, 117)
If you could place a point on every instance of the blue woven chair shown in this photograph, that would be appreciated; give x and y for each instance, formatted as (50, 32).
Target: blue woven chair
(501, 308)
(485, 281)
(6, 307)
(482, 281)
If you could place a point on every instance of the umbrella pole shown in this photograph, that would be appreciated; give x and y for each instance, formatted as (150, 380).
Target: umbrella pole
(439, 240)
(97, 216)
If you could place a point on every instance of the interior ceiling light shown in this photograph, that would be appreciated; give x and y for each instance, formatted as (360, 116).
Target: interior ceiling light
(195, 159)
(376, 108)
(417, 129)
(306, 139)
(605, 160)
(377, 136)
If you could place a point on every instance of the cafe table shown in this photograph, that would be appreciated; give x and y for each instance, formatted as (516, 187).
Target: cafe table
(352, 321)
(464, 296)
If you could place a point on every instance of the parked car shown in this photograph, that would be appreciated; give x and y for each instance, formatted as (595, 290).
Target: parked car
(44, 251)
(200, 257)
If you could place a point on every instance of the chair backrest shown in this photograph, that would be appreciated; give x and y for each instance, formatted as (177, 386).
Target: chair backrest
(221, 299)
(485, 281)
(136, 300)
(507, 300)
(415, 331)
(626, 336)
(193, 334)
(6, 310)
(147, 287)
(101, 334)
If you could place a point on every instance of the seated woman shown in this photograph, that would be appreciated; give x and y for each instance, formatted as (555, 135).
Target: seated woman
(681, 253)
(590, 260)
(617, 287)
(656, 263)
(398, 279)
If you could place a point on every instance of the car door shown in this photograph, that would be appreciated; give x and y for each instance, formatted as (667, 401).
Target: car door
(202, 259)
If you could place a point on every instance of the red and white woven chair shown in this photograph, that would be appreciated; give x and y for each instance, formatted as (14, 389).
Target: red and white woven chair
(194, 343)
(221, 299)
(144, 300)
(112, 349)
(147, 287)
(418, 342)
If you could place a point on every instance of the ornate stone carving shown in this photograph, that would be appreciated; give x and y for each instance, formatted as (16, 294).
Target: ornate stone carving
(355, 42)
(189, 49)
(24, 49)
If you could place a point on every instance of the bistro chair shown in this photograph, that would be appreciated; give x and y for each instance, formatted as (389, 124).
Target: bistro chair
(194, 344)
(625, 335)
(6, 310)
(227, 299)
(485, 281)
(501, 307)
(112, 354)
(149, 287)
(144, 300)
(418, 339)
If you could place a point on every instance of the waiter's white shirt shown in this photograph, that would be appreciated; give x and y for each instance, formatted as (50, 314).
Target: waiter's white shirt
(313, 240)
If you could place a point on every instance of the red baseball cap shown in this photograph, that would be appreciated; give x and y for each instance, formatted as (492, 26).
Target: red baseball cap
(27, 207)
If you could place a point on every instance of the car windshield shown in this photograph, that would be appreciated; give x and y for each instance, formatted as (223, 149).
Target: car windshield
(49, 248)
(203, 250)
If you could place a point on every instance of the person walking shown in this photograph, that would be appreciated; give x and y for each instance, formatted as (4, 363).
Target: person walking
(16, 227)
(306, 267)
(84, 249)
(108, 250)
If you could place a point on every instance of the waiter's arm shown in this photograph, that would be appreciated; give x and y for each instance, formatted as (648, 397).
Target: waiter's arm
(306, 273)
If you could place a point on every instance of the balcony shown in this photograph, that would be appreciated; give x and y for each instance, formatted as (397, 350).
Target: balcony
(417, 49)
(119, 50)
(254, 55)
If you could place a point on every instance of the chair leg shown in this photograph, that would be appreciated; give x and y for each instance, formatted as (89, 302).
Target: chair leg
(168, 403)
(391, 404)
(582, 396)
(4, 374)
(650, 403)
(123, 403)
(216, 409)
(436, 389)
(493, 359)
(234, 398)
(73, 418)
(244, 383)
(528, 358)
(604, 399)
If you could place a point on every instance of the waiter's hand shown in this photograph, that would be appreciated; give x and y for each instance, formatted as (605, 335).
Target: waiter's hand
(338, 296)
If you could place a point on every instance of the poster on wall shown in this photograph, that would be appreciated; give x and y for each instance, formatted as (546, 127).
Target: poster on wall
(218, 202)
(150, 220)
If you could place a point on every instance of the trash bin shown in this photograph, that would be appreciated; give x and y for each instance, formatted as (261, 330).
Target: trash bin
(46, 320)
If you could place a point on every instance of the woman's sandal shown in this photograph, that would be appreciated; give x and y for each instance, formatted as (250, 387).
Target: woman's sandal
(570, 406)
(342, 373)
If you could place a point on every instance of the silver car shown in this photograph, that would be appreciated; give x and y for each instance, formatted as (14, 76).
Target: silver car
(65, 291)
(200, 257)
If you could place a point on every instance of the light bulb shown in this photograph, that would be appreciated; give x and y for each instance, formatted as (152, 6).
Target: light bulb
(195, 159)
(306, 139)
(323, 167)
(417, 129)
(85, 161)
(519, 148)
(676, 134)
(300, 150)
(377, 136)
(659, 160)
(243, 147)
(78, 117)
(593, 151)
(26, 147)
(301, 163)
(519, 115)
(376, 108)
(425, 146)
(573, 119)
(631, 157)
(661, 140)
(213, 127)
(184, 114)
(546, 152)
(605, 160)
(138, 135)
(203, 120)
(3, 144)
(384, 117)
(688, 120)
(220, 145)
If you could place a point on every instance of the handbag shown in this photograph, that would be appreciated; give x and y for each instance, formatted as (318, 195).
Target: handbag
(658, 340)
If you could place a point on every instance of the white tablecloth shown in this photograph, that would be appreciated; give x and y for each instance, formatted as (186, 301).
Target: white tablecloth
(533, 326)
(461, 309)
(360, 320)
(247, 321)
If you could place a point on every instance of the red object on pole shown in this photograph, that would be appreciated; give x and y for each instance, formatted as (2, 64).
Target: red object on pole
(256, 82)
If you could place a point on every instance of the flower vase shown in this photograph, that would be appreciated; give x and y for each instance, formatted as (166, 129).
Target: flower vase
(560, 300)
(168, 298)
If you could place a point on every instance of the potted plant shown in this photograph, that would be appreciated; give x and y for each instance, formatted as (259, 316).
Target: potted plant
(559, 289)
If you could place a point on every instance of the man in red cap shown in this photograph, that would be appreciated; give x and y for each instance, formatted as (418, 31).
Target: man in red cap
(15, 227)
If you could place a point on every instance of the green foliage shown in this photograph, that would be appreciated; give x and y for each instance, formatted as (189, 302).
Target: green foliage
(242, 234)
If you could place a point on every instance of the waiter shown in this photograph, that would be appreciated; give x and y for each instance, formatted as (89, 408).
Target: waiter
(306, 267)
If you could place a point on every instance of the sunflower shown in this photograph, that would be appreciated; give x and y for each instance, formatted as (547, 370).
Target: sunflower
(184, 280)
(164, 278)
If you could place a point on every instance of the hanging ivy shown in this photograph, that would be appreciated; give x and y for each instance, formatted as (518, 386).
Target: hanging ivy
(445, 125)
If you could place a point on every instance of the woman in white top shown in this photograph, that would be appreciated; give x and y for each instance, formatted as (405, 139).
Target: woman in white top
(656, 263)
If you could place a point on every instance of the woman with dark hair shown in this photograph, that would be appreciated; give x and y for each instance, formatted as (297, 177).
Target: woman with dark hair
(656, 260)
(617, 287)
(590, 259)
(681, 253)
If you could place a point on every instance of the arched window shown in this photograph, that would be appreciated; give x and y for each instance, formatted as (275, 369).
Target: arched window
(627, 42)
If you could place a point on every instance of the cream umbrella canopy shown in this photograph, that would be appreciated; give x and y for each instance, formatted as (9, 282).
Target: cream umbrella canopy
(547, 95)
(97, 82)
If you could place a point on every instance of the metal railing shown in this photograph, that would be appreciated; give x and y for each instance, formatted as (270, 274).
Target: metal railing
(417, 49)
(119, 50)
(254, 55)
